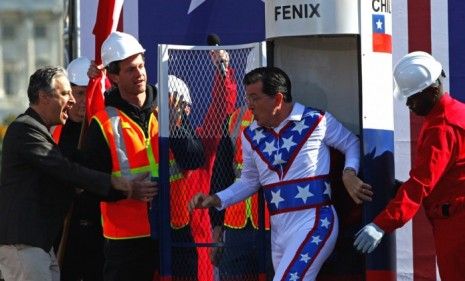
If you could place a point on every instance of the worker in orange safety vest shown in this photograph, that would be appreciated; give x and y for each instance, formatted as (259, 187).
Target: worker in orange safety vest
(123, 140)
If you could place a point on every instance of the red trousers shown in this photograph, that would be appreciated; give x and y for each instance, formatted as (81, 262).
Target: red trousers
(449, 236)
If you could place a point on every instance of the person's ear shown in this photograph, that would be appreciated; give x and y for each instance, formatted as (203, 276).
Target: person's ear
(279, 99)
(278, 102)
(43, 96)
(113, 77)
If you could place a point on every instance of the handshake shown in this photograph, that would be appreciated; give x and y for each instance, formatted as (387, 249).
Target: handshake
(138, 188)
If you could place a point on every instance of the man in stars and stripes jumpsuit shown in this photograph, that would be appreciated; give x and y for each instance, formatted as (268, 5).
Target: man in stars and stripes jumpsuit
(286, 151)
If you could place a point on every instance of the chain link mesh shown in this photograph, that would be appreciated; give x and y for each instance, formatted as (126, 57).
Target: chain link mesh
(208, 100)
(196, 68)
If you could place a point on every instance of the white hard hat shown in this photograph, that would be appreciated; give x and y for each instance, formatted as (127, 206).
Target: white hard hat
(176, 84)
(77, 71)
(415, 72)
(119, 46)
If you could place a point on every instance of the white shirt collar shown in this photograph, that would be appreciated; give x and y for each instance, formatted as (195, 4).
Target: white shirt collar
(296, 115)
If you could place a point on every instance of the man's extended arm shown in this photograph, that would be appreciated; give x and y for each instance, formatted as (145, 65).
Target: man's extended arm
(47, 157)
(342, 139)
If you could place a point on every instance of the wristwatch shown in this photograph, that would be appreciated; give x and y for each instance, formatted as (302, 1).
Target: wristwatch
(348, 169)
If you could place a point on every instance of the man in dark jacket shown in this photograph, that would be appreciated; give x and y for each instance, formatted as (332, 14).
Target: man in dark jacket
(37, 181)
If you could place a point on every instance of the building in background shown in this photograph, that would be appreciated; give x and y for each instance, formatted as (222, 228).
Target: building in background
(31, 35)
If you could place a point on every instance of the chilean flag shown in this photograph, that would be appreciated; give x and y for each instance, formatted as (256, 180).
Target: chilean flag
(435, 27)
(381, 39)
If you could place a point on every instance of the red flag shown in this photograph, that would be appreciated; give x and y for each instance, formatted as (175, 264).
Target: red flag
(108, 18)
(94, 95)
(107, 21)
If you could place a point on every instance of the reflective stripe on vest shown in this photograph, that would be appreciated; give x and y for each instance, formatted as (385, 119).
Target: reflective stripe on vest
(237, 215)
(132, 153)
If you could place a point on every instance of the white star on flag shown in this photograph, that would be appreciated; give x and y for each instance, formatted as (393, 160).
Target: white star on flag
(316, 239)
(194, 4)
(269, 147)
(276, 198)
(288, 143)
(300, 126)
(379, 24)
(278, 159)
(327, 189)
(258, 135)
(304, 193)
(294, 277)
(325, 223)
(305, 258)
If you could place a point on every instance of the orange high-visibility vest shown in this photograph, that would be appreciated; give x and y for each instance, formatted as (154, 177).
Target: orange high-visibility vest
(132, 153)
(236, 216)
(179, 196)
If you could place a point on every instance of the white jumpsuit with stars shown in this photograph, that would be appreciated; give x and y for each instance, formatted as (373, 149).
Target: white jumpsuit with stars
(291, 162)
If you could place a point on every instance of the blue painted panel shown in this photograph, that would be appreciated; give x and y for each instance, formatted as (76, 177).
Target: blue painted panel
(378, 170)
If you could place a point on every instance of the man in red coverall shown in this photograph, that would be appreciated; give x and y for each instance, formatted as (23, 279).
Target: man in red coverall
(437, 177)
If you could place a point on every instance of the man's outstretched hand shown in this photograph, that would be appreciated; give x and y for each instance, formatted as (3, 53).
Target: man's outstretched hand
(357, 189)
(368, 238)
(220, 58)
(201, 201)
(139, 188)
(178, 108)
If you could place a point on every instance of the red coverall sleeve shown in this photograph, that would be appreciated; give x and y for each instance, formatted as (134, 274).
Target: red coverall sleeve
(223, 102)
(435, 152)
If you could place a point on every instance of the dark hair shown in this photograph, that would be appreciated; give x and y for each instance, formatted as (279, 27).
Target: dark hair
(43, 80)
(114, 66)
(274, 80)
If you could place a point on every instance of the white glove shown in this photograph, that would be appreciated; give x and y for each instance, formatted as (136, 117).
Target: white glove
(368, 238)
